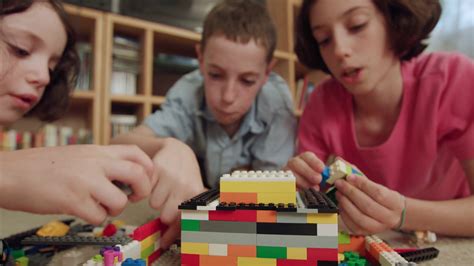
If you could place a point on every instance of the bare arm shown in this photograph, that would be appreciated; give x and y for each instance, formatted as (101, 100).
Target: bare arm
(453, 217)
(143, 137)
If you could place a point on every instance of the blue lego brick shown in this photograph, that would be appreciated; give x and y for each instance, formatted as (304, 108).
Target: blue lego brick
(132, 262)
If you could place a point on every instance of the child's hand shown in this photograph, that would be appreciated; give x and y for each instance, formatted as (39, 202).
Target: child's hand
(367, 207)
(74, 180)
(179, 179)
(307, 168)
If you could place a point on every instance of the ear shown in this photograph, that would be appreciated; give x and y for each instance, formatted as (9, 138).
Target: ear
(270, 67)
(200, 56)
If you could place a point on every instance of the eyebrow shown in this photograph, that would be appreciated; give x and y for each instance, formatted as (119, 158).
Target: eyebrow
(245, 73)
(29, 35)
(353, 9)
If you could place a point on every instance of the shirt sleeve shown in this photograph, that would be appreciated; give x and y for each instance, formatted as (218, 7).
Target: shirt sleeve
(456, 108)
(174, 119)
(276, 145)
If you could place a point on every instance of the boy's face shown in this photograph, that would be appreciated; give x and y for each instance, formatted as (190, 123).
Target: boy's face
(233, 75)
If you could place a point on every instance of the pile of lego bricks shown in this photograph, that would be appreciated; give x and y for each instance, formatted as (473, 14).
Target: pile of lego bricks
(302, 231)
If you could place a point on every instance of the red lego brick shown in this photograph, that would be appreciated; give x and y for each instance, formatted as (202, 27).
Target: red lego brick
(246, 215)
(326, 254)
(222, 216)
(189, 260)
(147, 229)
(154, 256)
(283, 262)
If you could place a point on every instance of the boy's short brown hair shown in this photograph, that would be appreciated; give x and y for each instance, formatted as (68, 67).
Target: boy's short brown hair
(241, 21)
(409, 24)
(55, 99)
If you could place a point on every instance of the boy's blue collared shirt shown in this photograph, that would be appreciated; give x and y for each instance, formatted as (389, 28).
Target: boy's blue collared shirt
(265, 139)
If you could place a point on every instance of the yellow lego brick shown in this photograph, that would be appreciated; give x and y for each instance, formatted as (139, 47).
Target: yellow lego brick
(195, 248)
(340, 257)
(236, 186)
(277, 197)
(296, 253)
(247, 261)
(321, 218)
(150, 240)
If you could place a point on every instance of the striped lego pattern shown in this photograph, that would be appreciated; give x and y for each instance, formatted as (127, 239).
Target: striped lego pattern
(258, 187)
(383, 253)
(264, 234)
(337, 170)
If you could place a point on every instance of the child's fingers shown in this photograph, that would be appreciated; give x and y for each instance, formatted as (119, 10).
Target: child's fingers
(364, 203)
(90, 211)
(381, 194)
(134, 154)
(365, 223)
(313, 161)
(170, 235)
(159, 195)
(110, 197)
(131, 174)
(302, 169)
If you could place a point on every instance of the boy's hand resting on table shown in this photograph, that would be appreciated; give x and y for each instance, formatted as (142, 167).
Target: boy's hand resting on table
(367, 207)
(307, 168)
(74, 180)
(179, 179)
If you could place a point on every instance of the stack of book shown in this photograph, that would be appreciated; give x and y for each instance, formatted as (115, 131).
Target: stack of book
(84, 50)
(48, 136)
(125, 66)
(122, 123)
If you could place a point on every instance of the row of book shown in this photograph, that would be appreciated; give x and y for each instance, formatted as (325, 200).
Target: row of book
(125, 66)
(48, 136)
(121, 123)
(304, 88)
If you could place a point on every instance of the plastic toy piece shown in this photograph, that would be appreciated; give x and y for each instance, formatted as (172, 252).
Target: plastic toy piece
(53, 228)
(110, 256)
(75, 241)
(132, 262)
(317, 200)
(383, 253)
(200, 200)
(337, 170)
(421, 254)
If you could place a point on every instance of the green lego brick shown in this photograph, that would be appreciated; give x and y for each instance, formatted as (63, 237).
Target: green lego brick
(147, 252)
(190, 225)
(344, 238)
(271, 252)
(22, 261)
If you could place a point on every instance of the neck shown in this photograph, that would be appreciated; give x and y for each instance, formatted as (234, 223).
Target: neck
(385, 99)
(231, 129)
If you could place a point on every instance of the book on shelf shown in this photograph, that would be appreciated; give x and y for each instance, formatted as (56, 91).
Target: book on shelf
(84, 50)
(122, 123)
(125, 66)
(48, 136)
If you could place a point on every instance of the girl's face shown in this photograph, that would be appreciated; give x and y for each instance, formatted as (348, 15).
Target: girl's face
(31, 45)
(353, 41)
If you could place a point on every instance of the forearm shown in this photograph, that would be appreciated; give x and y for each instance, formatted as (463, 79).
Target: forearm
(150, 145)
(452, 217)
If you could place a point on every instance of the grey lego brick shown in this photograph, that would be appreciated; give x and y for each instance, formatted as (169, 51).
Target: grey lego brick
(229, 227)
(75, 240)
(297, 241)
(327, 230)
(219, 238)
(291, 217)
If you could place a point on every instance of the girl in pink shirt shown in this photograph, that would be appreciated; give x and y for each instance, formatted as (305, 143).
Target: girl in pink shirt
(405, 119)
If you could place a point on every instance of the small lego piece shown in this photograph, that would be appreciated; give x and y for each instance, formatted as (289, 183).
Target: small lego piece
(53, 228)
(75, 241)
(134, 262)
(421, 254)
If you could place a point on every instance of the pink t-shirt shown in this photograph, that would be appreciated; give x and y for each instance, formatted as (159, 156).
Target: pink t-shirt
(435, 128)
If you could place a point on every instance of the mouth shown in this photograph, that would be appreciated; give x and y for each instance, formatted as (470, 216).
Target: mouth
(24, 101)
(352, 74)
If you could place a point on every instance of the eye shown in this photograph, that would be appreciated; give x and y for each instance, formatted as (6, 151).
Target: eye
(358, 27)
(323, 42)
(214, 75)
(248, 82)
(19, 52)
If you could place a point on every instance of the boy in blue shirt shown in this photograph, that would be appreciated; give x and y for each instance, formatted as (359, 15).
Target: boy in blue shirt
(232, 113)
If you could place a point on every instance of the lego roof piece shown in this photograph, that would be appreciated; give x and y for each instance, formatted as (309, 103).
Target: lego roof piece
(75, 241)
(316, 200)
(202, 199)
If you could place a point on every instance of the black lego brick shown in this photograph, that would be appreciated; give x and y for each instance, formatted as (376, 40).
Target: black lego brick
(75, 241)
(327, 263)
(313, 199)
(200, 200)
(287, 229)
(421, 254)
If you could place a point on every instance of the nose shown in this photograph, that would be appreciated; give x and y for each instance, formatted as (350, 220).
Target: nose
(229, 92)
(38, 75)
(342, 46)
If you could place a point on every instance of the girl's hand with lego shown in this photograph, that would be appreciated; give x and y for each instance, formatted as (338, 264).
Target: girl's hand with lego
(74, 180)
(367, 207)
(307, 168)
(179, 179)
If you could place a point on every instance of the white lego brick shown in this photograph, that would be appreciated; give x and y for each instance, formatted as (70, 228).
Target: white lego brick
(194, 215)
(131, 250)
(210, 207)
(218, 249)
(327, 230)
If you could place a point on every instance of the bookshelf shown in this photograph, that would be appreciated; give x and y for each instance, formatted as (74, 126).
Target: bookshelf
(95, 107)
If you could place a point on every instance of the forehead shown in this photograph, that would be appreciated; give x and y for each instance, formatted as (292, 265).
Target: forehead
(232, 55)
(323, 11)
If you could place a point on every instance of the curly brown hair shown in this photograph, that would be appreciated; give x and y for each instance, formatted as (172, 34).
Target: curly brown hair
(55, 99)
(409, 24)
(242, 21)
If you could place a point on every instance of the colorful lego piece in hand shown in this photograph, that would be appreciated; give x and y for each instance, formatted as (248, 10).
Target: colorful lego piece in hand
(337, 170)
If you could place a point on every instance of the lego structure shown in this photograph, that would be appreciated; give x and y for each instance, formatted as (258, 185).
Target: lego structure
(258, 218)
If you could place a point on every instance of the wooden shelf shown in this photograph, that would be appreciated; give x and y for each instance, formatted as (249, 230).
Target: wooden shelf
(157, 100)
(128, 98)
(83, 95)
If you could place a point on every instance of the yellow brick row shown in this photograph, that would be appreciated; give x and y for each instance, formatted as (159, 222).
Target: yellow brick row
(249, 186)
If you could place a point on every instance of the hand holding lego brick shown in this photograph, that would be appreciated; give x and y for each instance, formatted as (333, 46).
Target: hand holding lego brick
(307, 168)
(367, 207)
(74, 180)
(179, 179)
